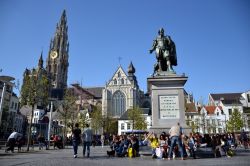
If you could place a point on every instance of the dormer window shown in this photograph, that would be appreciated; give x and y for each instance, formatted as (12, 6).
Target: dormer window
(218, 113)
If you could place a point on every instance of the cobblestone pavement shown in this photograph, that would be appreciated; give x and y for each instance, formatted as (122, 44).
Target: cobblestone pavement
(98, 157)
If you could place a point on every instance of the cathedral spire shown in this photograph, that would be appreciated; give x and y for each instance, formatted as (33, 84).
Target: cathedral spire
(131, 69)
(40, 63)
(57, 61)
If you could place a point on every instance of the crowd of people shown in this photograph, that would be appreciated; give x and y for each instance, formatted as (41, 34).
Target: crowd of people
(177, 144)
(124, 145)
(164, 146)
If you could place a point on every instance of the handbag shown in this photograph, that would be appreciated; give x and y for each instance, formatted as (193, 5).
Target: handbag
(158, 152)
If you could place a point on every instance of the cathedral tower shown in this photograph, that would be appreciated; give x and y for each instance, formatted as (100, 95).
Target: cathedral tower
(57, 61)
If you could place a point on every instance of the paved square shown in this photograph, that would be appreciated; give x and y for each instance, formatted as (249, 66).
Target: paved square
(64, 157)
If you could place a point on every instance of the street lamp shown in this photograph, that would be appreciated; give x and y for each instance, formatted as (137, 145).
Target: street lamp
(49, 128)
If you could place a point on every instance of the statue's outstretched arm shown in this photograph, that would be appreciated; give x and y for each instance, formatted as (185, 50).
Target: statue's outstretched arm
(153, 46)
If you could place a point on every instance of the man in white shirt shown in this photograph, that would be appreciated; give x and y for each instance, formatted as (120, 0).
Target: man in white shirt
(175, 133)
(12, 140)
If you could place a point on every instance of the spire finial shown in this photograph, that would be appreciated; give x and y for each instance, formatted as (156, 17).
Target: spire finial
(119, 59)
(40, 63)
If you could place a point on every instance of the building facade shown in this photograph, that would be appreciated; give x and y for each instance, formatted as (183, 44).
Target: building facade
(231, 102)
(121, 93)
(9, 105)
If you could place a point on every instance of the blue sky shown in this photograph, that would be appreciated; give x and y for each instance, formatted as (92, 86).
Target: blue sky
(212, 39)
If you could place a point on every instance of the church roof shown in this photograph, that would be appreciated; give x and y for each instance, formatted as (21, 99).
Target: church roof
(115, 75)
(96, 91)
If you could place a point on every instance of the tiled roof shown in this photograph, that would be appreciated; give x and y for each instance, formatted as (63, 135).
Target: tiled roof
(227, 98)
(190, 107)
(96, 91)
(211, 109)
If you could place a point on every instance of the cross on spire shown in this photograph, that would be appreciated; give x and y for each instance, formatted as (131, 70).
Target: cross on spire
(119, 59)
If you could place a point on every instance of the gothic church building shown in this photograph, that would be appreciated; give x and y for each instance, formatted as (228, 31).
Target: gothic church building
(122, 93)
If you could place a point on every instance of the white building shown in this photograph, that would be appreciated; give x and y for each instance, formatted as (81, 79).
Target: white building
(38, 114)
(125, 125)
(230, 102)
(8, 104)
(212, 119)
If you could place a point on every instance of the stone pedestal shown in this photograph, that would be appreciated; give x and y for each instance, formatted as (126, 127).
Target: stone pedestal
(167, 100)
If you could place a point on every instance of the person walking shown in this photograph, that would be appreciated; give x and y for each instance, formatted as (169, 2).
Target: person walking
(11, 141)
(87, 139)
(175, 133)
(76, 138)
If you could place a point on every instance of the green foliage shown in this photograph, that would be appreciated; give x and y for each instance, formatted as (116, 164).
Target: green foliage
(68, 112)
(97, 119)
(35, 90)
(138, 121)
(235, 122)
(194, 127)
(110, 125)
(82, 120)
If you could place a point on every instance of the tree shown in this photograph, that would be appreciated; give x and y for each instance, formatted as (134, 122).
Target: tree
(235, 122)
(96, 119)
(68, 112)
(138, 121)
(34, 89)
(82, 119)
(109, 124)
(194, 126)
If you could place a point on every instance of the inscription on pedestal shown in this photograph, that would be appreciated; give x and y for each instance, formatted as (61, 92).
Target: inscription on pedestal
(169, 107)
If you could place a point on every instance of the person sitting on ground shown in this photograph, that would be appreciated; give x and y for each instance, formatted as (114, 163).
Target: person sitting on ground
(192, 145)
(163, 145)
(154, 143)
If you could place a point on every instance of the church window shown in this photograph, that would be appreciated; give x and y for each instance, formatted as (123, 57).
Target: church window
(122, 81)
(115, 81)
(118, 103)
(119, 74)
